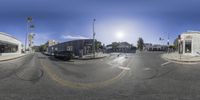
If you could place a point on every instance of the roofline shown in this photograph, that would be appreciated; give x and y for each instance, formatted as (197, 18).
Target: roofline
(76, 40)
(189, 32)
(3, 33)
(71, 41)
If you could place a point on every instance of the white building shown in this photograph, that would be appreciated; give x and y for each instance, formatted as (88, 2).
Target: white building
(52, 42)
(154, 47)
(123, 47)
(9, 45)
(147, 46)
(190, 43)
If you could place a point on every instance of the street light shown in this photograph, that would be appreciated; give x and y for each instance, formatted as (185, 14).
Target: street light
(94, 38)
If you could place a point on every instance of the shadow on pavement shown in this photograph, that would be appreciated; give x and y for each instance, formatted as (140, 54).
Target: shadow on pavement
(58, 60)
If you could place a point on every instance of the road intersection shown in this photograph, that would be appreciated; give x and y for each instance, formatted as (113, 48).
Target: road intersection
(141, 76)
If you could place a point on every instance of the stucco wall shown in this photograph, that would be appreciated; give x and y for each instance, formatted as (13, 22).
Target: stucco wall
(195, 38)
(5, 38)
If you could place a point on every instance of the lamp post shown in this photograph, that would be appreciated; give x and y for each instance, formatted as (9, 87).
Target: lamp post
(93, 38)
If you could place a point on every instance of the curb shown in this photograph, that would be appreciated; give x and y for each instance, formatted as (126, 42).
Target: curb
(91, 58)
(179, 60)
(13, 58)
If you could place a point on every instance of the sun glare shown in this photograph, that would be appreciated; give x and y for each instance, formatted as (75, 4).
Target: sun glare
(119, 35)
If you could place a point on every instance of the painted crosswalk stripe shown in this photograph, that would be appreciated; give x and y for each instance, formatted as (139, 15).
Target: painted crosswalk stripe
(165, 63)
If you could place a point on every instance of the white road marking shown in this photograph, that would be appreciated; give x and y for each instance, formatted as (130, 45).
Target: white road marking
(189, 63)
(124, 68)
(165, 63)
(147, 68)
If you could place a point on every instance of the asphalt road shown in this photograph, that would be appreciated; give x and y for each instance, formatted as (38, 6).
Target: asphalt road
(140, 76)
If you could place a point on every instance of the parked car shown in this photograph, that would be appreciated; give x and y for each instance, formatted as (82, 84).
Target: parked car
(65, 55)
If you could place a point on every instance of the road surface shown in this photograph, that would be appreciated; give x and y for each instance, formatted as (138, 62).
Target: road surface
(140, 76)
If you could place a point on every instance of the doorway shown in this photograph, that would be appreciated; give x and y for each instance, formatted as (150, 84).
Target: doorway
(188, 46)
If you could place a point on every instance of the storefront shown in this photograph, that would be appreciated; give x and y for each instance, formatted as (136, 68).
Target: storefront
(9, 45)
(190, 43)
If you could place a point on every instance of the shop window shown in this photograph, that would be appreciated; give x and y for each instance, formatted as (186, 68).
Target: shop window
(188, 45)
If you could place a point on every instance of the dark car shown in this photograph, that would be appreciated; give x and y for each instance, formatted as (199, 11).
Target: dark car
(65, 55)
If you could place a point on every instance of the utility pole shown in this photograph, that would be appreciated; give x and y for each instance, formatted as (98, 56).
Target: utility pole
(168, 41)
(179, 45)
(29, 20)
(29, 35)
(93, 38)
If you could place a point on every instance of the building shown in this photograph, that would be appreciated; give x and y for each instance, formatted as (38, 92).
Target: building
(190, 43)
(124, 47)
(51, 43)
(155, 47)
(78, 47)
(158, 47)
(147, 46)
(9, 45)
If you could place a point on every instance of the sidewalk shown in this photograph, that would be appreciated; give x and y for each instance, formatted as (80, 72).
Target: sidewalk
(181, 58)
(97, 56)
(11, 57)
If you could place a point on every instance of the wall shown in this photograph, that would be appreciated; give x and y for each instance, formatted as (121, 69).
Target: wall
(195, 38)
(8, 39)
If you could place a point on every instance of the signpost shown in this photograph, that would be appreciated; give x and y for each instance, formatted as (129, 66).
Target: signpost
(93, 47)
(179, 45)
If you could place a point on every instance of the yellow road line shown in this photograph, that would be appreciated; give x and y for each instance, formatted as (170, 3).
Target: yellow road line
(81, 85)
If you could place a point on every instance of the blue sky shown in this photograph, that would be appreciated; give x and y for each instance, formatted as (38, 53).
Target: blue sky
(64, 20)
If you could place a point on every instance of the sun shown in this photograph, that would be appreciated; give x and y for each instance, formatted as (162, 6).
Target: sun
(120, 35)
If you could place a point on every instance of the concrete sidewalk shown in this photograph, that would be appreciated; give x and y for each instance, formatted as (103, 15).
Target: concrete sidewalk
(97, 56)
(180, 57)
(11, 57)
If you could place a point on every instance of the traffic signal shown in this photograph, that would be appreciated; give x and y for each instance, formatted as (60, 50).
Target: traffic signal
(179, 36)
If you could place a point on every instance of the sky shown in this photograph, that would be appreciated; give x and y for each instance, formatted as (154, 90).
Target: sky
(116, 20)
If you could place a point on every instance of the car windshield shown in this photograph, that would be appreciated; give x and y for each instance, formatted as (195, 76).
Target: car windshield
(99, 49)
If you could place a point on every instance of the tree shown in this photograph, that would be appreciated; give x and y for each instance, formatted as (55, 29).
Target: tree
(98, 45)
(43, 48)
(176, 43)
(140, 44)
